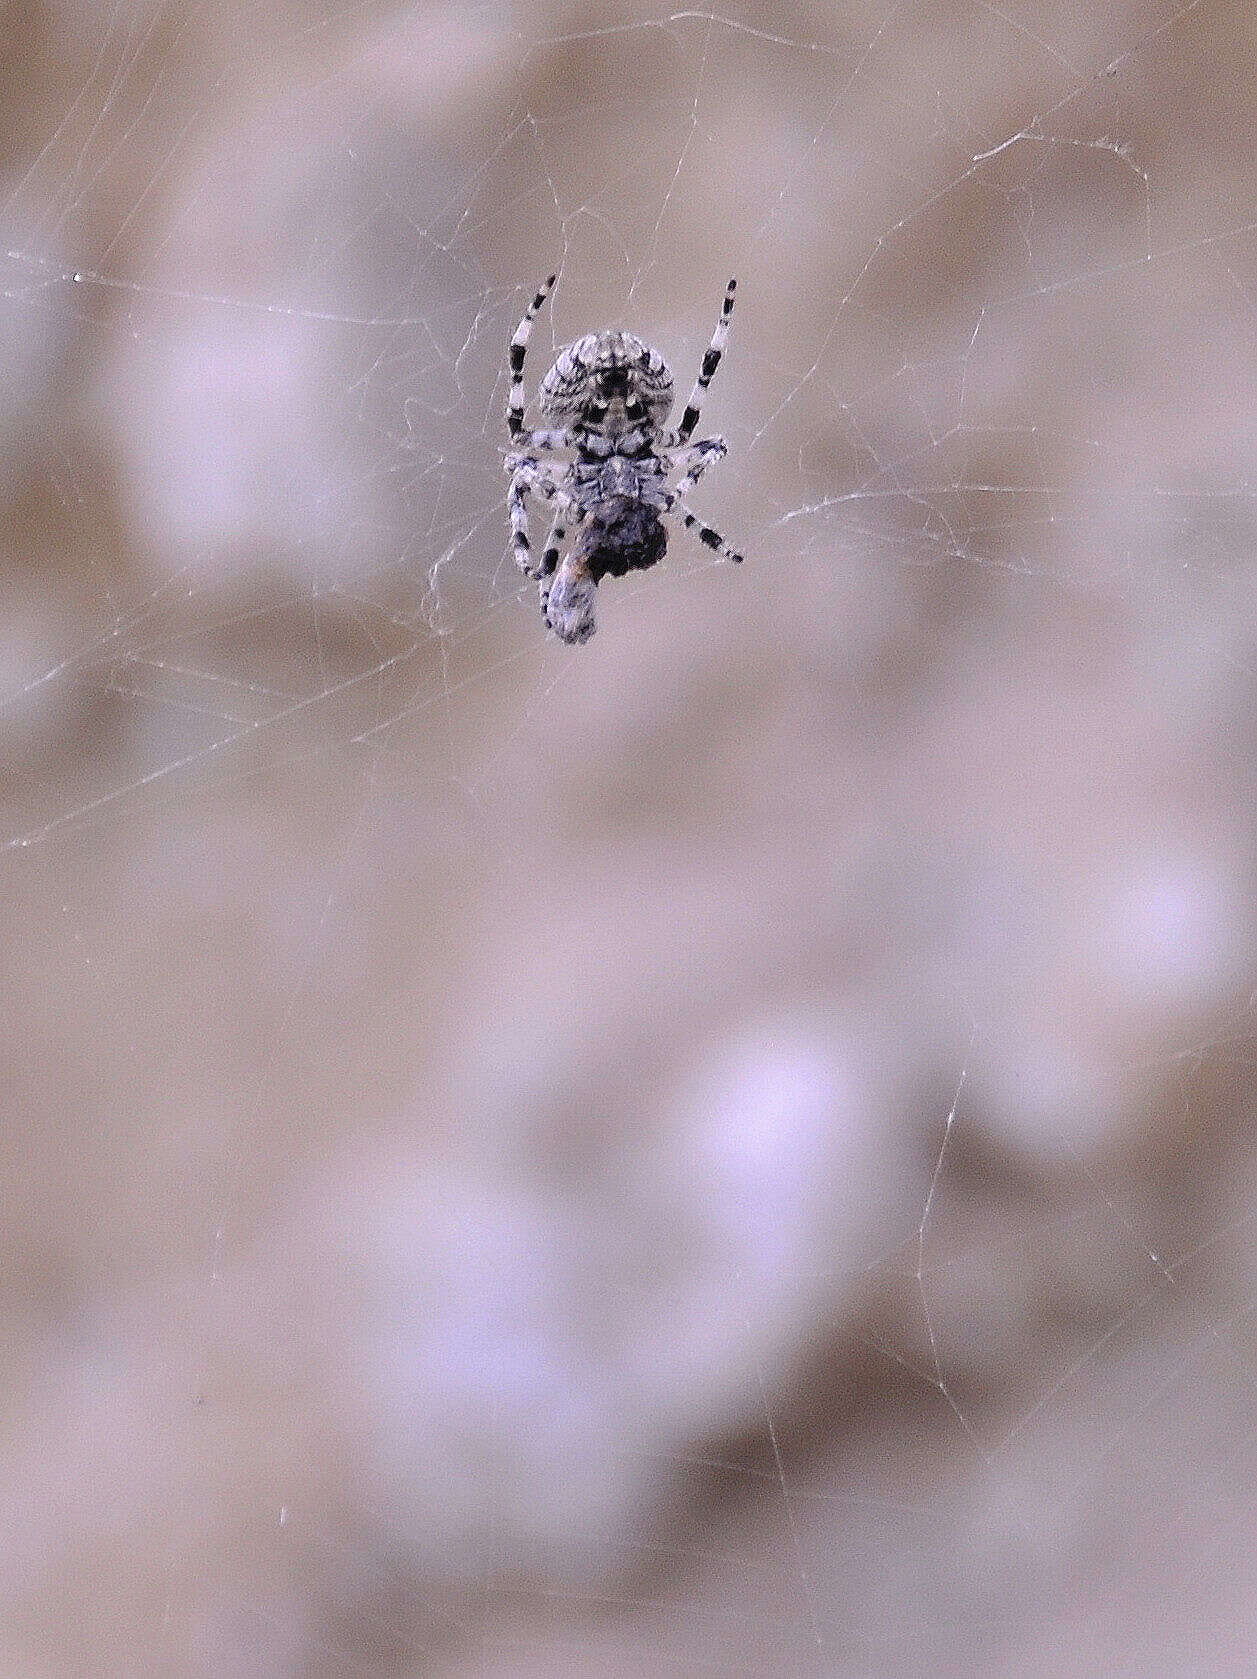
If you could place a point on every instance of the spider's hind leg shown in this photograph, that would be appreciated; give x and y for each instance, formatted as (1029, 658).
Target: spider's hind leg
(706, 535)
(530, 477)
(696, 459)
(549, 561)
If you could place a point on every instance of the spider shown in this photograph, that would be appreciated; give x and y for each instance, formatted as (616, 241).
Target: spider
(607, 397)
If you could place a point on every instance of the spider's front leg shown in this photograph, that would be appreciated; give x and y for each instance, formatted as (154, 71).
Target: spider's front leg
(518, 349)
(706, 373)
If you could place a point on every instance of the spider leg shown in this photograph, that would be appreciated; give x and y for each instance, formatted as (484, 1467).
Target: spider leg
(519, 344)
(517, 509)
(530, 477)
(549, 564)
(531, 441)
(554, 542)
(696, 459)
(710, 538)
(711, 361)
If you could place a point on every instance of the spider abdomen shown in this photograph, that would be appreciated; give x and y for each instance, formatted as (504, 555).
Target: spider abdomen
(619, 535)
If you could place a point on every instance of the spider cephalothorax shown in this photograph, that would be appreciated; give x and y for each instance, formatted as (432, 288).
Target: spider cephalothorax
(610, 395)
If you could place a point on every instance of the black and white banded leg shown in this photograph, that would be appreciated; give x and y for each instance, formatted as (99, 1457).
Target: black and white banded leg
(545, 572)
(529, 478)
(706, 373)
(554, 543)
(706, 535)
(519, 345)
(695, 460)
(566, 437)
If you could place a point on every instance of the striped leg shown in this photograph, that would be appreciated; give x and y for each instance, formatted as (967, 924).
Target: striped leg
(555, 540)
(696, 459)
(706, 373)
(531, 441)
(545, 572)
(529, 478)
(526, 455)
(517, 509)
(519, 344)
(710, 538)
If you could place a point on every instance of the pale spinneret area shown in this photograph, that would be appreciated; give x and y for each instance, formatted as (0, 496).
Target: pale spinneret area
(610, 394)
(727, 1149)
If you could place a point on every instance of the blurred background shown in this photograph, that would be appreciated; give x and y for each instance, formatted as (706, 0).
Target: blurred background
(725, 1150)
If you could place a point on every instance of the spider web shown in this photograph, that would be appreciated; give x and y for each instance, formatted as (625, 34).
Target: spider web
(723, 1149)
